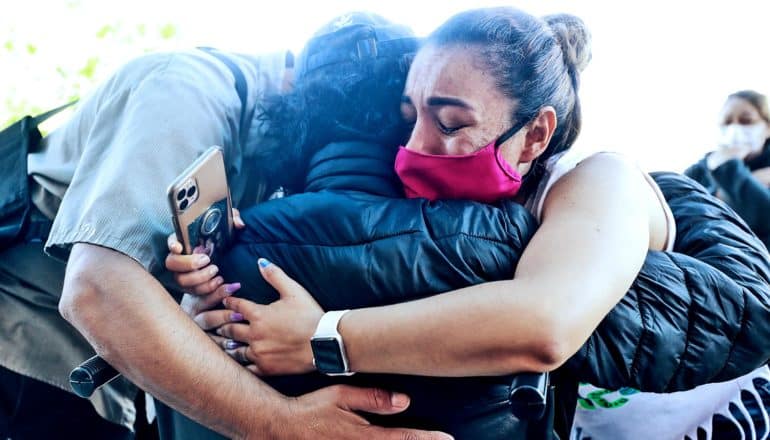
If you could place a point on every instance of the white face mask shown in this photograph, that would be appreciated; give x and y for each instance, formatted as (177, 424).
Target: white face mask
(737, 135)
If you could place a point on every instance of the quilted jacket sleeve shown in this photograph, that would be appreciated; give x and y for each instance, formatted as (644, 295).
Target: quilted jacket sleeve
(353, 250)
(696, 315)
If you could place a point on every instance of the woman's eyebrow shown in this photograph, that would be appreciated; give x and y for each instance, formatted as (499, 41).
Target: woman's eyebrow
(443, 101)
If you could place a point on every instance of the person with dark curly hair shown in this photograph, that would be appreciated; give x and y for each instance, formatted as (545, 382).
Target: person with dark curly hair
(107, 170)
(491, 99)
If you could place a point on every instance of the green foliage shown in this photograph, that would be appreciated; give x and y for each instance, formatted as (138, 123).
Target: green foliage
(88, 70)
(18, 109)
(167, 31)
(104, 31)
(41, 78)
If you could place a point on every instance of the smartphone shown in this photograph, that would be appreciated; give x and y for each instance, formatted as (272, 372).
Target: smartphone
(201, 208)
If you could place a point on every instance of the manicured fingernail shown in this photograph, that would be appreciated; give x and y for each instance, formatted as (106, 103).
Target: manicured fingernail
(232, 345)
(232, 287)
(399, 400)
(236, 317)
(213, 270)
(203, 260)
(199, 250)
(263, 262)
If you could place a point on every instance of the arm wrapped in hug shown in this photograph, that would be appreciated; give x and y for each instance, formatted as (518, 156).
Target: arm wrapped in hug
(352, 250)
(696, 315)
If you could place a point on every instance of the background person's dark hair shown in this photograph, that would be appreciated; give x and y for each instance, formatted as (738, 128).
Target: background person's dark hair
(535, 62)
(759, 102)
(756, 99)
(354, 100)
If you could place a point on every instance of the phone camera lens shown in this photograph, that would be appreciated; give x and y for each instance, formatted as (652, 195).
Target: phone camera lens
(183, 205)
(211, 222)
(191, 191)
(181, 194)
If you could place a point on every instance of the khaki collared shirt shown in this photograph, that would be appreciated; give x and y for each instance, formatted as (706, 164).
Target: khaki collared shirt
(103, 178)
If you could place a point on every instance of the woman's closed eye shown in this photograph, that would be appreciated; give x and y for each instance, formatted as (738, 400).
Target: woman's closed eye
(449, 129)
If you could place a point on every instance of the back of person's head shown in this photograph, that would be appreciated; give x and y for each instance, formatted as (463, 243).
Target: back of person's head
(348, 84)
(535, 62)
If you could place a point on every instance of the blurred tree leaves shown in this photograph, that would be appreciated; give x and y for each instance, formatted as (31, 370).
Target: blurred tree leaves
(88, 70)
(168, 31)
(43, 75)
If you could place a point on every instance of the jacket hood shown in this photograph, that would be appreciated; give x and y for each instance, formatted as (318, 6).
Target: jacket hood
(354, 166)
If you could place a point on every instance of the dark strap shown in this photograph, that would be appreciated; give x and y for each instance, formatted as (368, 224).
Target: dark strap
(37, 227)
(39, 119)
(16, 210)
(240, 88)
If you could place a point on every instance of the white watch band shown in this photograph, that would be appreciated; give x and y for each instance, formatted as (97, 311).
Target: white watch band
(327, 326)
(325, 332)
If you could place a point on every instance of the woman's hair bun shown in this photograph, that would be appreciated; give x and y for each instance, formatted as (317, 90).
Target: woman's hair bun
(574, 39)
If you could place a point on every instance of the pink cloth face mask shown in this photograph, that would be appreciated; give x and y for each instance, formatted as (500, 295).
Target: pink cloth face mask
(482, 176)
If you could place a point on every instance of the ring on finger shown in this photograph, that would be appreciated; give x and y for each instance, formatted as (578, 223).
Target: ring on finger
(240, 355)
(232, 345)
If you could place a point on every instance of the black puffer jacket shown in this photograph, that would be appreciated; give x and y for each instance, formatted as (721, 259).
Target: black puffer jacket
(353, 240)
(696, 315)
(691, 317)
(734, 182)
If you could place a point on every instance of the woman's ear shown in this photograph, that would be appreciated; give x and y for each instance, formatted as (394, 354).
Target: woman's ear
(539, 133)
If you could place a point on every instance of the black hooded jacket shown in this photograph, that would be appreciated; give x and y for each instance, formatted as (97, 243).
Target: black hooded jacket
(745, 194)
(696, 315)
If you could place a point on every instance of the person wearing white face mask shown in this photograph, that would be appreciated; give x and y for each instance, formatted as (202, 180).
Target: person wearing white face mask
(738, 172)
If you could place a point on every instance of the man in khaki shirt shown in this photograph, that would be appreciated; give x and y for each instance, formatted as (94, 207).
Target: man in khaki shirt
(103, 177)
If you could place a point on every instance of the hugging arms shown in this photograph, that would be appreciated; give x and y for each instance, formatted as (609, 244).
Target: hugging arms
(589, 249)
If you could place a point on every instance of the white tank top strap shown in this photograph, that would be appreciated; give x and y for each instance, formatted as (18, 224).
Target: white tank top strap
(555, 168)
(559, 165)
(670, 221)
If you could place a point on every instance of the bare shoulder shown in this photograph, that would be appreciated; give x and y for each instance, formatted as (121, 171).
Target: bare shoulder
(608, 162)
(601, 181)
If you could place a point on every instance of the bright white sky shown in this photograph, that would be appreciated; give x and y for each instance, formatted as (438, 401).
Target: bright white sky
(659, 75)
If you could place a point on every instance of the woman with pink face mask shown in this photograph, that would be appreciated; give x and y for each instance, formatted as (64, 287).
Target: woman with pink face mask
(738, 172)
(492, 101)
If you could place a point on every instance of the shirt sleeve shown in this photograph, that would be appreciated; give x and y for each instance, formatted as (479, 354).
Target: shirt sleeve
(145, 129)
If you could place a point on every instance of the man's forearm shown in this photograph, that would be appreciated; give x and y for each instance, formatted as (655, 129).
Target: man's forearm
(137, 327)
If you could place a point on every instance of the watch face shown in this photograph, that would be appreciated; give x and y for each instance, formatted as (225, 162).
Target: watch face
(327, 355)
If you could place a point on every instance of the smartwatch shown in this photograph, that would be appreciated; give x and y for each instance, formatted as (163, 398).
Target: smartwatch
(328, 350)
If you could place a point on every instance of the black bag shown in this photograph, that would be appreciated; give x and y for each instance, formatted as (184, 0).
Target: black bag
(16, 141)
